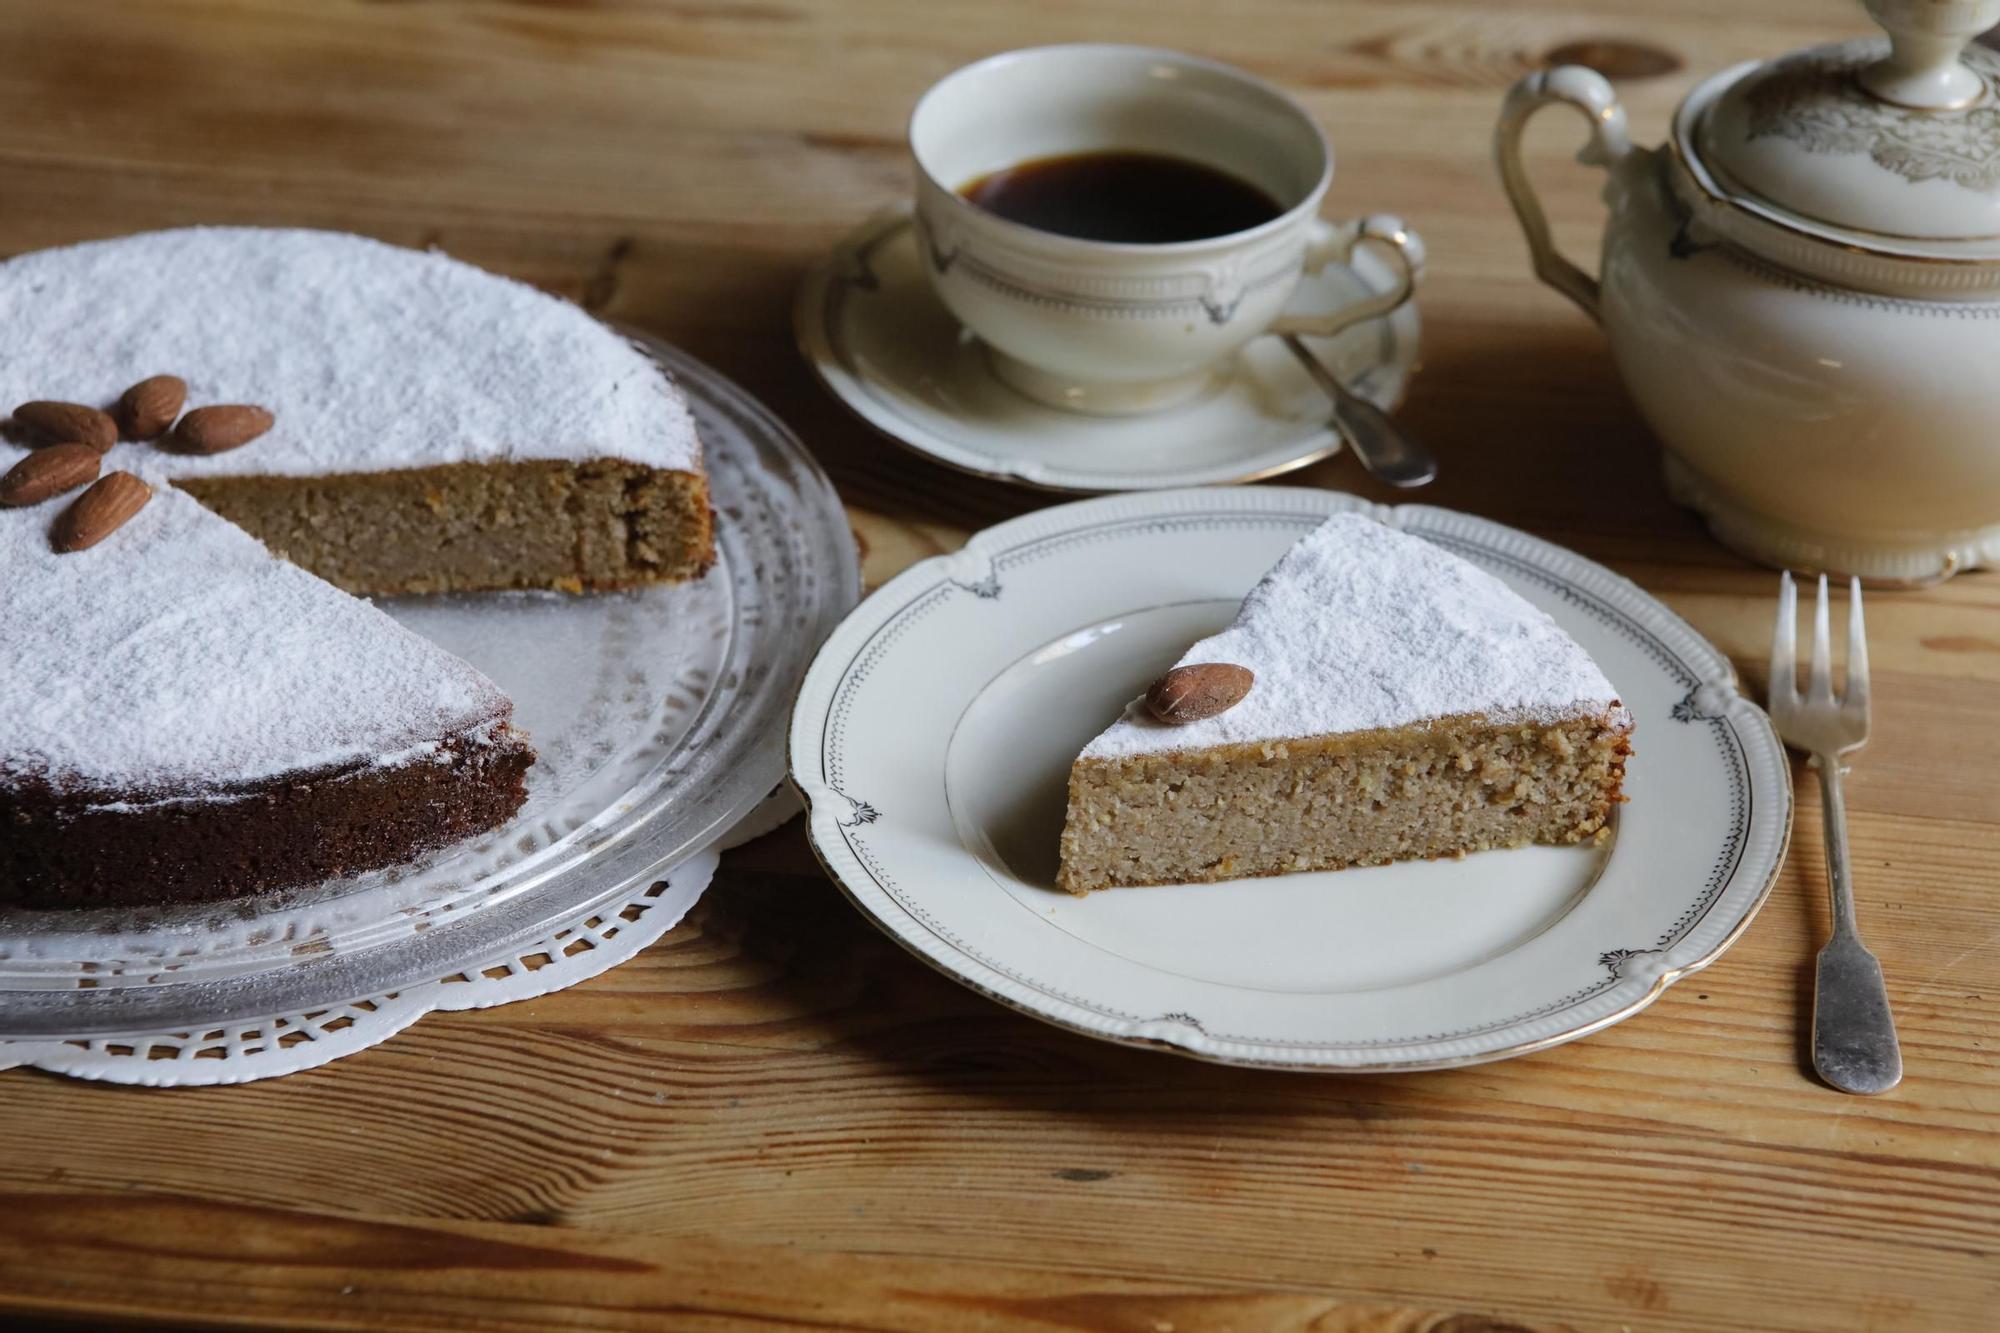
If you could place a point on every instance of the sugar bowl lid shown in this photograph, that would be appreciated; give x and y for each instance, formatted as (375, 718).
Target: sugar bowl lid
(1888, 145)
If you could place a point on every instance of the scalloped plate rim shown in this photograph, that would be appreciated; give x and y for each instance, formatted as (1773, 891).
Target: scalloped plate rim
(1766, 770)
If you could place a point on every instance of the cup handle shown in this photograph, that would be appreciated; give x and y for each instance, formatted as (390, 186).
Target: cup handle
(1336, 242)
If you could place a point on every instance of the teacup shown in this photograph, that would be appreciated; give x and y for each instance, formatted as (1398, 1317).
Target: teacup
(1119, 327)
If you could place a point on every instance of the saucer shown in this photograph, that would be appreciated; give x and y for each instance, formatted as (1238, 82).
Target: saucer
(874, 332)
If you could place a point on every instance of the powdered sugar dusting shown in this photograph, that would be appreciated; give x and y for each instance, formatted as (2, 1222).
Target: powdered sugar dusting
(372, 356)
(179, 654)
(1361, 627)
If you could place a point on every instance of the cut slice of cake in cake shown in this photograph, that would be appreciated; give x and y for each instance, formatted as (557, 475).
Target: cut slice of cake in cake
(438, 428)
(1405, 704)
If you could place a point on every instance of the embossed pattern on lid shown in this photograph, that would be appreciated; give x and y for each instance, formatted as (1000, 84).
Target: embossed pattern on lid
(1895, 138)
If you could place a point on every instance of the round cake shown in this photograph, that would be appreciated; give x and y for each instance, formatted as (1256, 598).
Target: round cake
(199, 705)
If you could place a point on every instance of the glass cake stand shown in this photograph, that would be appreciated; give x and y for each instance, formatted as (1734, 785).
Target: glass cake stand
(659, 717)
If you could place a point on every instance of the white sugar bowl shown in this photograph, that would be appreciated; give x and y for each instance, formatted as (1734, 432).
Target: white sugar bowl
(1802, 290)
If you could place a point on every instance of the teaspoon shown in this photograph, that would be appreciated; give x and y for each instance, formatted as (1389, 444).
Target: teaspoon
(1384, 449)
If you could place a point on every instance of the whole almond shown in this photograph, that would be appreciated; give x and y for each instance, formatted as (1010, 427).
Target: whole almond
(47, 472)
(1201, 689)
(60, 423)
(100, 511)
(210, 430)
(147, 408)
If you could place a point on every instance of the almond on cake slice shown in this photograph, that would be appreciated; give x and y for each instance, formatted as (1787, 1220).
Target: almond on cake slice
(1200, 689)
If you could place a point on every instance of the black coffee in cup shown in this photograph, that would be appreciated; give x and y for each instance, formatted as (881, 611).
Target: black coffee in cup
(1118, 195)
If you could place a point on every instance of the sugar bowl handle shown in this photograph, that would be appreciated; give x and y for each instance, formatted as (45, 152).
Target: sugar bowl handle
(1591, 93)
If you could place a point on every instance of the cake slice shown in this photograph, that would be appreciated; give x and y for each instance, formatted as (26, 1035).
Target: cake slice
(183, 716)
(1404, 704)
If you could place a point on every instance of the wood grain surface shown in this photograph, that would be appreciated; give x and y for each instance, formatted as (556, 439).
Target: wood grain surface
(774, 1117)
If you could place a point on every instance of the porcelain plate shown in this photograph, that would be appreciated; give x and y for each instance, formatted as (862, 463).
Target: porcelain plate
(934, 733)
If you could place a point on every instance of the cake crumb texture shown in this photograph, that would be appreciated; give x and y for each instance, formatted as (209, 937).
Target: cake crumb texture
(1458, 785)
(594, 526)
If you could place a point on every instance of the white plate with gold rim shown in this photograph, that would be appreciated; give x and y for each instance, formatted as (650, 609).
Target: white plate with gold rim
(873, 331)
(933, 737)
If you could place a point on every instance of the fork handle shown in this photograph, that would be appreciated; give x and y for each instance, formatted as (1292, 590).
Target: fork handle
(1854, 1044)
(1839, 873)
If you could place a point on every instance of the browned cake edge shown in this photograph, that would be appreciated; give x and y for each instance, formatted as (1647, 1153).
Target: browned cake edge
(1451, 786)
(599, 525)
(61, 851)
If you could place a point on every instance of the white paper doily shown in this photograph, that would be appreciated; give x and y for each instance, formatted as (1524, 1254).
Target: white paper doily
(772, 813)
(286, 1043)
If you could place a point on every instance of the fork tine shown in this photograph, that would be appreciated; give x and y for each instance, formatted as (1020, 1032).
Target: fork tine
(1784, 634)
(1819, 676)
(1855, 701)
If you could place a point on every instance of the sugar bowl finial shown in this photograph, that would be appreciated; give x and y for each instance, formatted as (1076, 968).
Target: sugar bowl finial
(1924, 70)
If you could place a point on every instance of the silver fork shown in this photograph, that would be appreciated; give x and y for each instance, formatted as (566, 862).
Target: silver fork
(1854, 1036)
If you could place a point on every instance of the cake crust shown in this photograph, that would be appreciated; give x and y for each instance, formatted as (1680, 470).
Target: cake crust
(61, 852)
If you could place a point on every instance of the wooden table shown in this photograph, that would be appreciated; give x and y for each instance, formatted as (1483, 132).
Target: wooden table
(776, 1117)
